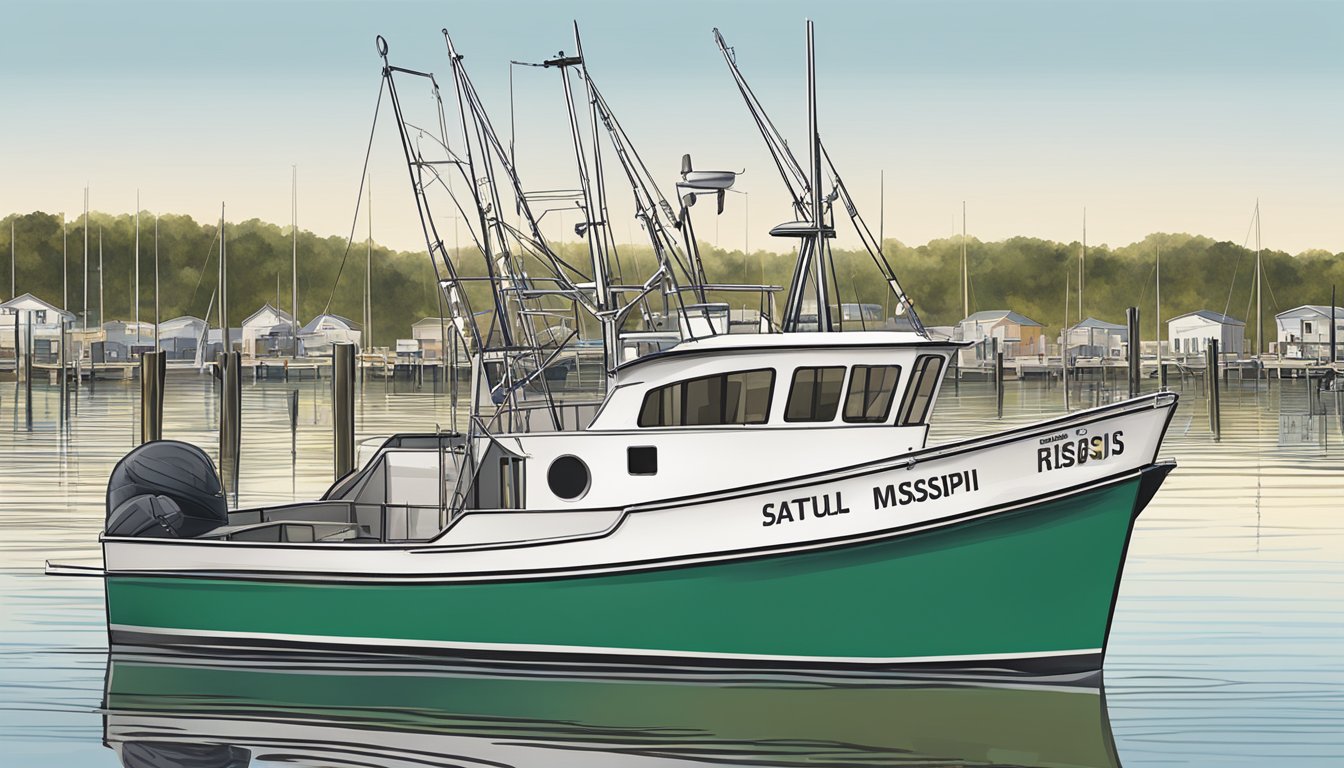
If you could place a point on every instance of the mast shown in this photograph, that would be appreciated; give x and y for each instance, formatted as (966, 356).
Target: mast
(1159, 309)
(156, 282)
(11, 263)
(965, 274)
(1259, 278)
(221, 290)
(100, 278)
(591, 228)
(1082, 265)
(814, 167)
(137, 266)
(65, 266)
(294, 263)
(368, 272)
(86, 257)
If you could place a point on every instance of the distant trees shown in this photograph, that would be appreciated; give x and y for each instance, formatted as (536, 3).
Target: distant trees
(1020, 273)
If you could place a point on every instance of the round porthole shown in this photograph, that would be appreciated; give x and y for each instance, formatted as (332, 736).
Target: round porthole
(568, 477)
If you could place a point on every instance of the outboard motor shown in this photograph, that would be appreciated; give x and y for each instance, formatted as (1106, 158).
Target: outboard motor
(165, 489)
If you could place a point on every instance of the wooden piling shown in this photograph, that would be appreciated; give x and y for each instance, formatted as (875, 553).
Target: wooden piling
(1211, 377)
(153, 368)
(343, 408)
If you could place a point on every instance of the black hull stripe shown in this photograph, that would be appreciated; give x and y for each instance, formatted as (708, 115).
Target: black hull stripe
(1074, 665)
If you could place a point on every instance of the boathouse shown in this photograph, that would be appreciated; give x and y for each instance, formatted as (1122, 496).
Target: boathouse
(1095, 338)
(428, 334)
(45, 319)
(1018, 335)
(322, 331)
(1304, 332)
(268, 332)
(1189, 334)
(179, 337)
(126, 339)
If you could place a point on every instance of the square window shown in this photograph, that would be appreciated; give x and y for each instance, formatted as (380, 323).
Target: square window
(641, 460)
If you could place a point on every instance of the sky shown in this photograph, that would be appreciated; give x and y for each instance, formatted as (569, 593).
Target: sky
(1152, 116)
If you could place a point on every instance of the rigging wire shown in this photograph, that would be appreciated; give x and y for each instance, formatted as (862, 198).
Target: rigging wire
(204, 267)
(359, 198)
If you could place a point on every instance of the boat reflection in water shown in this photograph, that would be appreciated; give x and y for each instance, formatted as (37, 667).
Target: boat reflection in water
(230, 712)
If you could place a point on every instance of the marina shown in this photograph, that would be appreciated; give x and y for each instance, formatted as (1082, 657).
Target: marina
(585, 484)
(1224, 648)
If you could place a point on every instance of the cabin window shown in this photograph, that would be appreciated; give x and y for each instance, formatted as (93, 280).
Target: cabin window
(923, 383)
(510, 483)
(726, 398)
(871, 389)
(815, 394)
(568, 478)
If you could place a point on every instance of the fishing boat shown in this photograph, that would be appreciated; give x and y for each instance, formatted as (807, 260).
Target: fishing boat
(212, 709)
(719, 498)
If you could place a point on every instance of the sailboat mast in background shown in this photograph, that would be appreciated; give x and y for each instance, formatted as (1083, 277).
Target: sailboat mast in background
(294, 267)
(86, 257)
(965, 274)
(1082, 265)
(137, 266)
(1259, 278)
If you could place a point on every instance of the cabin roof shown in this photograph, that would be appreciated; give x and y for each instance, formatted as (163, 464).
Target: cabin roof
(1310, 309)
(999, 314)
(27, 301)
(1209, 314)
(312, 326)
(1100, 325)
(782, 342)
(280, 313)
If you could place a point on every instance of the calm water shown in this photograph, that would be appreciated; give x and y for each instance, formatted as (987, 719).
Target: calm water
(1227, 646)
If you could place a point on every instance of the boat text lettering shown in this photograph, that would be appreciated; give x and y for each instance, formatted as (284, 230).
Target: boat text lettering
(1077, 452)
(924, 489)
(800, 509)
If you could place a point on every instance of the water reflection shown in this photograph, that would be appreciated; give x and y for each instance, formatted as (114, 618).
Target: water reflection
(194, 710)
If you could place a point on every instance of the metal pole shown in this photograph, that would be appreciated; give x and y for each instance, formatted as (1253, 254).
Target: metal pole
(65, 266)
(156, 283)
(86, 261)
(1132, 318)
(152, 370)
(814, 167)
(230, 422)
(137, 266)
(294, 262)
(223, 286)
(343, 407)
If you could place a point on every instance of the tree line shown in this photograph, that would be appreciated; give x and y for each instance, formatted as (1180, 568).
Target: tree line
(1024, 274)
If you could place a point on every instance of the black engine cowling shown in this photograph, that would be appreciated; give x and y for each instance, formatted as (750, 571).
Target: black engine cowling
(165, 489)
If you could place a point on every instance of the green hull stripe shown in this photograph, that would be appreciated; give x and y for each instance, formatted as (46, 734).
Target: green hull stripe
(1037, 580)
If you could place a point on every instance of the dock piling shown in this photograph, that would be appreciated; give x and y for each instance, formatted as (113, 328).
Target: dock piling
(293, 403)
(27, 372)
(1211, 381)
(343, 407)
(230, 421)
(1132, 319)
(153, 368)
(998, 378)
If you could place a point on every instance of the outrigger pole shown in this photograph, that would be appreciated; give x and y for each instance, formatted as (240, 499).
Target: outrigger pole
(804, 189)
